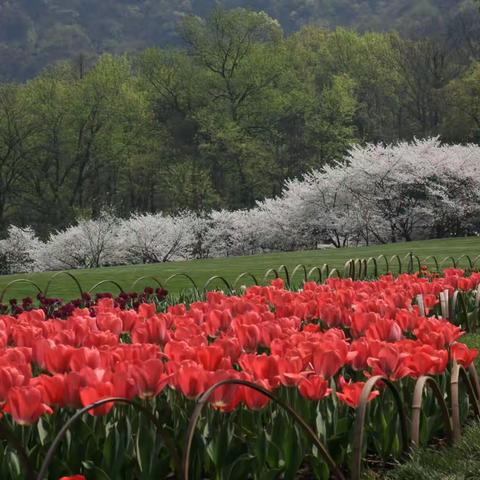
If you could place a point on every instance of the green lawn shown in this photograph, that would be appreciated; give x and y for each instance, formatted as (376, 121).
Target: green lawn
(458, 462)
(230, 268)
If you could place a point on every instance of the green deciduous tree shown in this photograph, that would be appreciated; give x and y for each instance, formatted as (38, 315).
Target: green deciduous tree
(223, 121)
(463, 96)
(16, 130)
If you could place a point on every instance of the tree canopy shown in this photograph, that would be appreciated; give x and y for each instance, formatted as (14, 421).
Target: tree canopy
(34, 34)
(224, 121)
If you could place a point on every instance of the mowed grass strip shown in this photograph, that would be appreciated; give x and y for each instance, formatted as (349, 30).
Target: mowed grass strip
(231, 267)
(458, 462)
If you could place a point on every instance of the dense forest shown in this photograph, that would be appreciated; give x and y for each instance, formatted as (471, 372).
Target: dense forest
(34, 33)
(223, 119)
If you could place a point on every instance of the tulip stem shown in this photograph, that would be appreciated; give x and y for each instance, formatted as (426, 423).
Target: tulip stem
(7, 434)
(168, 440)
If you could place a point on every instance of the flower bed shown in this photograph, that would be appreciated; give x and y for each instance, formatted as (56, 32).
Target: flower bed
(54, 307)
(327, 351)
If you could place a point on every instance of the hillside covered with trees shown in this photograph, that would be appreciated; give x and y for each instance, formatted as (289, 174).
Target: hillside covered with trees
(224, 119)
(36, 33)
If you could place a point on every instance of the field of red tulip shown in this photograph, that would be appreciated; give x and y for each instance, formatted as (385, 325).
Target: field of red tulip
(272, 383)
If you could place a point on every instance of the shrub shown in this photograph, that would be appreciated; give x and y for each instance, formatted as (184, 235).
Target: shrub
(19, 251)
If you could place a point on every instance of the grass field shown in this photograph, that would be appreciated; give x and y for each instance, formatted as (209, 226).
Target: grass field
(230, 268)
(458, 462)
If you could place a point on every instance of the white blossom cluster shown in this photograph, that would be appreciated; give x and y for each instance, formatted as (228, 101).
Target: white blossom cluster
(379, 194)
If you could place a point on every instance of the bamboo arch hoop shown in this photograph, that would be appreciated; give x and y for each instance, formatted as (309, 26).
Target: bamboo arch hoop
(335, 272)
(218, 277)
(104, 282)
(299, 267)
(458, 372)
(349, 269)
(269, 272)
(287, 274)
(451, 259)
(399, 262)
(67, 274)
(319, 272)
(244, 275)
(185, 275)
(359, 425)
(421, 384)
(435, 261)
(146, 277)
(18, 280)
(387, 263)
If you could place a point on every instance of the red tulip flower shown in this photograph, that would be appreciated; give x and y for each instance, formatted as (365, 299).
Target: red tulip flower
(149, 377)
(227, 397)
(109, 321)
(124, 384)
(54, 358)
(191, 379)
(426, 360)
(261, 367)
(218, 320)
(212, 357)
(25, 405)
(10, 377)
(290, 369)
(230, 346)
(278, 283)
(153, 330)
(326, 363)
(85, 357)
(465, 284)
(52, 388)
(314, 387)
(384, 329)
(390, 363)
(351, 392)
(248, 336)
(359, 352)
(253, 399)
(92, 394)
(147, 310)
(361, 321)
(462, 354)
